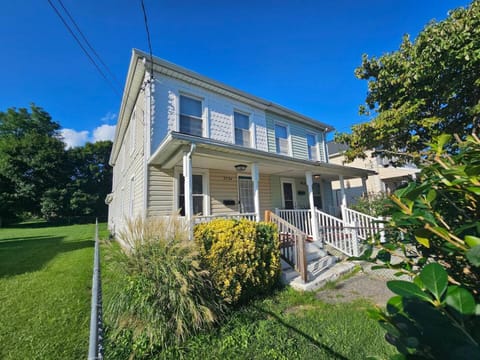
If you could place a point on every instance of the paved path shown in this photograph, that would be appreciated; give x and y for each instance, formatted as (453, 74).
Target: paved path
(366, 284)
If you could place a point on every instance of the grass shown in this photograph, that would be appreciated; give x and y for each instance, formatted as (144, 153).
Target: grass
(286, 325)
(292, 325)
(45, 281)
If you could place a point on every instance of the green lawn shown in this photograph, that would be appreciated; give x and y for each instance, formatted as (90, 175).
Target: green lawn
(287, 325)
(45, 281)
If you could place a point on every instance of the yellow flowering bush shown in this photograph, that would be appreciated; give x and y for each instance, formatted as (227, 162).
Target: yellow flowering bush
(243, 256)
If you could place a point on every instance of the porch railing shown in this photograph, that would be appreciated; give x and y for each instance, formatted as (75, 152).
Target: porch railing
(335, 233)
(237, 216)
(292, 243)
(368, 226)
(300, 218)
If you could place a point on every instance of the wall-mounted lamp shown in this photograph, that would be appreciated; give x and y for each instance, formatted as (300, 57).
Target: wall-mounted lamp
(241, 167)
(316, 177)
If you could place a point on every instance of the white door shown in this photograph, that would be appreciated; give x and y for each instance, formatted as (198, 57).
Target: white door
(245, 194)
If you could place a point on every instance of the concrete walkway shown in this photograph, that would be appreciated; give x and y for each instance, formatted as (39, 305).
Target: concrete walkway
(366, 284)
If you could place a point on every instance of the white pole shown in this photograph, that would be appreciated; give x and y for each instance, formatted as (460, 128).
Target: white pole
(256, 196)
(309, 178)
(187, 187)
(344, 197)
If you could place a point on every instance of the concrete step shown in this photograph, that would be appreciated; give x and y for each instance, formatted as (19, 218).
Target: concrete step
(315, 268)
(314, 251)
(330, 274)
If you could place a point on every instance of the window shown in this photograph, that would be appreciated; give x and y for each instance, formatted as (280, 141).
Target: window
(242, 129)
(281, 139)
(312, 147)
(191, 121)
(197, 195)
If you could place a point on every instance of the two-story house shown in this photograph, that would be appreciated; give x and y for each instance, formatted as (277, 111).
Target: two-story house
(191, 145)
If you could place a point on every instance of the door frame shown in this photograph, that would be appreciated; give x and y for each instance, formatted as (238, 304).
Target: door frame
(244, 175)
(294, 192)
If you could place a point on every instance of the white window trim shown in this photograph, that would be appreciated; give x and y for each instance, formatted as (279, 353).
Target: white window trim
(294, 191)
(246, 174)
(205, 111)
(206, 187)
(251, 126)
(132, 130)
(289, 138)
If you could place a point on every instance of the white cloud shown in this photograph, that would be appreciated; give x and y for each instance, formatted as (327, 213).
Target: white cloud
(103, 132)
(109, 116)
(73, 138)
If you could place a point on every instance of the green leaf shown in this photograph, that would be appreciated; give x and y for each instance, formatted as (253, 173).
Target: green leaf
(442, 140)
(474, 189)
(422, 235)
(407, 289)
(472, 241)
(473, 255)
(394, 305)
(431, 195)
(461, 300)
(435, 279)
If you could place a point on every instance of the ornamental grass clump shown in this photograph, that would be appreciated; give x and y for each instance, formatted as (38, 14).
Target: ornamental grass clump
(242, 256)
(166, 295)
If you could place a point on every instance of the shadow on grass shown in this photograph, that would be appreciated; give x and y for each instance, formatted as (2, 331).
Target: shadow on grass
(28, 254)
(332, 353)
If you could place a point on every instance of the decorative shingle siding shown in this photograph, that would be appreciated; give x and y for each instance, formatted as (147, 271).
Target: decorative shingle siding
(298, 133)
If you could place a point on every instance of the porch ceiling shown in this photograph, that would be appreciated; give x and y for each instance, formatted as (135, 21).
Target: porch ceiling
(211, 154)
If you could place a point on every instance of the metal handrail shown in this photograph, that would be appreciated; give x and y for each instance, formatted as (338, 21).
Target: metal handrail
(95, 348)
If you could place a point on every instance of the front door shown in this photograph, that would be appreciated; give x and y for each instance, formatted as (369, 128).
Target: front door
(288, 194)
(245, 194)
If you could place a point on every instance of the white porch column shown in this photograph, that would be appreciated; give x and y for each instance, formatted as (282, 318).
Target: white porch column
(256, 195)
(313, 217)
(343, 196)
(364, 186)
(187, 175)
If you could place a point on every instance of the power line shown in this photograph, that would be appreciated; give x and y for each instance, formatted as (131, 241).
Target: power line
(145, 20)
(83, 48)
(88, 43)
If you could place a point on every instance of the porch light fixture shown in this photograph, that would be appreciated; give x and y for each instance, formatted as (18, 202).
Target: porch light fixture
(241, 167)
(316, 176)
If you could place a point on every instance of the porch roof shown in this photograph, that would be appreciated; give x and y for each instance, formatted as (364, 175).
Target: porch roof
(214, 154)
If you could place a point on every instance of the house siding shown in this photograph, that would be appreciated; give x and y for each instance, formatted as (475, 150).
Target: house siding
(217, 113)
(128, 171)
(223, 186)
(298, 133)
(160, 191)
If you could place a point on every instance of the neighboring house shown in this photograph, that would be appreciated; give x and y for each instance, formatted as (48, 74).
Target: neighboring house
(189, 144)
(386, 180)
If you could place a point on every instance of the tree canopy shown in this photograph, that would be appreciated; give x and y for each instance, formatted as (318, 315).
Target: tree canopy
(40, 178)
(427, 87)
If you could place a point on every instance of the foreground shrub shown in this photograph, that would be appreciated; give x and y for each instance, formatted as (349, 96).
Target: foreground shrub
(166, 295)
(243, 256)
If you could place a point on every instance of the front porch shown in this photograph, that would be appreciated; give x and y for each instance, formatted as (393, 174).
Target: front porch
(210, 179)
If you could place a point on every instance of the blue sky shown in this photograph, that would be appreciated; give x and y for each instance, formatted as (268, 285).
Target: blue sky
(300, 54)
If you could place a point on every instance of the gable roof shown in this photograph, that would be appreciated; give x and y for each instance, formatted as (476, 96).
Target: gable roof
(140, 62)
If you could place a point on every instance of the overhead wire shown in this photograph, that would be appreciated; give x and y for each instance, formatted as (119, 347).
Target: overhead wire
(145, 20)
(92, 60)
(88, 43)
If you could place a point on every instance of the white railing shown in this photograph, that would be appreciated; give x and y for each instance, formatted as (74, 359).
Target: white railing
(334, 233)
(237, 216)
(301, 219)
(367, 226)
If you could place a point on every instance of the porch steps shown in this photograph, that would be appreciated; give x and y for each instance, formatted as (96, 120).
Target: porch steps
(331, 274)
(318, 261)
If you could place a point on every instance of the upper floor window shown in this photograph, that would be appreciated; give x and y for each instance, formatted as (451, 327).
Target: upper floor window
(281, 139)
(242, 129)
(312, 147)
(191, 121)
